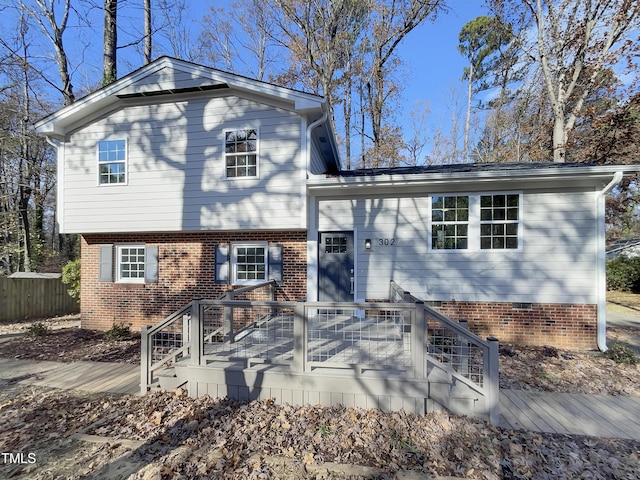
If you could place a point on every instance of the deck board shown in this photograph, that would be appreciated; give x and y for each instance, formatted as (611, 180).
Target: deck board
(579, 414)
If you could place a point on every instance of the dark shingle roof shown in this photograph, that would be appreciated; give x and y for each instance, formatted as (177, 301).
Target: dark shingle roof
(458, 168)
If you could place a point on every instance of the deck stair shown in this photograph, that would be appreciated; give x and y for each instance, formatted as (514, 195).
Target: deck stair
(401, 354)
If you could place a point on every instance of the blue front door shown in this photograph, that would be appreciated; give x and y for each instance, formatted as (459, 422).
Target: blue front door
(336, 267)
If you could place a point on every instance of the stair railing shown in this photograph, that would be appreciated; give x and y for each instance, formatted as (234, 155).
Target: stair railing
(454, 349)
(169, 341)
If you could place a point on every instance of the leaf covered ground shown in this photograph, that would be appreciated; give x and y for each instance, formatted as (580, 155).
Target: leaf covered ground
(73, 435)
(171, 436)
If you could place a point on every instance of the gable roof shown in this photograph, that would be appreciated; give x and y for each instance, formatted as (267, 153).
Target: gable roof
(171, 76)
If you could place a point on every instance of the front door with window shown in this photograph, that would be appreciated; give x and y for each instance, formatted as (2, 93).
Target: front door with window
(336, 279)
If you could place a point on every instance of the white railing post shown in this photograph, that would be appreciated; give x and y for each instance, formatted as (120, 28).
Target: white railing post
(195, 338)
(492, 379)
(299, 338)
(418, 335)
(145, 361)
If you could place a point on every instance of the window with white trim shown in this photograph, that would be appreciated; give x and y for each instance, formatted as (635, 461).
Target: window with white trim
(487, 221)
(112, 162)
(130, 263)
(450, 222)
(241, 153)
(499, 221)
(249, 263)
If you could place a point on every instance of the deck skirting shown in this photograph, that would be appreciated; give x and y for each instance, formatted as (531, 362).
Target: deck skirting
(373, 389)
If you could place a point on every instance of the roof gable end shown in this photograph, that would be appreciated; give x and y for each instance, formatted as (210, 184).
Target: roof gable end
(165, 76)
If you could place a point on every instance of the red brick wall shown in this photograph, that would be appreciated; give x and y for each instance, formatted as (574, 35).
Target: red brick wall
(559, 325)
(186, 270)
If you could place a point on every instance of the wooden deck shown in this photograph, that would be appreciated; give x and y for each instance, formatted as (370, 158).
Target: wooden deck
(87, 376)
(576, 414)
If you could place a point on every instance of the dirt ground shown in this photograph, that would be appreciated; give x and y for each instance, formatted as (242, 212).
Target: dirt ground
(46, 433)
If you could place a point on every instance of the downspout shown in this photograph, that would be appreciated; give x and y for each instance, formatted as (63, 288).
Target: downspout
(312, 227)
(59, 181)
(311, 126)
(601, 263)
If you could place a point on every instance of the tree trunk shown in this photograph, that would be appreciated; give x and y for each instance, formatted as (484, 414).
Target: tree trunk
(109, 67)
(147, 31)
(467, 121)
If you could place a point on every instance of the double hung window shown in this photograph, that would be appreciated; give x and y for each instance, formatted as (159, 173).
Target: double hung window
(130, 261)
(249, 263)
(450, 222)
(241, 153)
(499, 221)
(112, 162)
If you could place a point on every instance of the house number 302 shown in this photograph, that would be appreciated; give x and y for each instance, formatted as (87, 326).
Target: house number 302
(386, 242)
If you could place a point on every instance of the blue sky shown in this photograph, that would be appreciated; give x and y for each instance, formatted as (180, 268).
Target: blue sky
(434, 64)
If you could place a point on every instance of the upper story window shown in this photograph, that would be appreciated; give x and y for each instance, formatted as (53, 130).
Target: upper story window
(112, 162)
(450, 222)
(499, 221)
(241, 153)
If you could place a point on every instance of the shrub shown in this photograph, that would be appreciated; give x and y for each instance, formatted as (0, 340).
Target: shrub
(118, 332)
(71, 277)
(623, 274)
(621, 353)
(37, 329)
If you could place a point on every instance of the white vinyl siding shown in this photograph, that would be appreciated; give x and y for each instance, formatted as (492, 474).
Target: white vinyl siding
(556, 263)
(176, 170)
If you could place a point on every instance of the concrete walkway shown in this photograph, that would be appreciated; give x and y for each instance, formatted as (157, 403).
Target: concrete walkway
(595, 415)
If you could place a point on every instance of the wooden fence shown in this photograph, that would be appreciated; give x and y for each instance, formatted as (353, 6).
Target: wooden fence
(34, 298)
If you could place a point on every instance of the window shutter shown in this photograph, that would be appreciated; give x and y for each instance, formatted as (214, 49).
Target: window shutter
(275, 263)
(106, 263)
(222, 264)
(151, 264)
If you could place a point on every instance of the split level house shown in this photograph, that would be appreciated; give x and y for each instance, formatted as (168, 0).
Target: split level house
(185, 181)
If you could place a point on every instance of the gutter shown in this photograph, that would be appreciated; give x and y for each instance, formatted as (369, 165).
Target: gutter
(601, 262)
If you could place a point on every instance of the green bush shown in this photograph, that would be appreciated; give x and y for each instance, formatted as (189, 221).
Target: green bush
(118, 332)
(623, 274)
(622, 353)
(71, 277)
(37, 329)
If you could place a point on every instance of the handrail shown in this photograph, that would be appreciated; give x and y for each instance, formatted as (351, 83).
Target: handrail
(455, 350)
(146, 360)
(170, 319)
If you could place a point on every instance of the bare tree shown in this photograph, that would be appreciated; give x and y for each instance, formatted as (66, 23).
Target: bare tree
(45, 15)
(392, 21)
(573, 42)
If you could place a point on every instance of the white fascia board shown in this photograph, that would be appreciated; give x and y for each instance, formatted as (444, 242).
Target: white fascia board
(603, 173)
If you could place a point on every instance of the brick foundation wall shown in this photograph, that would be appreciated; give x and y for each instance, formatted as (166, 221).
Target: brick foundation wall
(559, 325)
(186, 270)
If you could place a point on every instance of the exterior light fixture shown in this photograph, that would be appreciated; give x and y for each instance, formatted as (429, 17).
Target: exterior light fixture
(367, 244)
